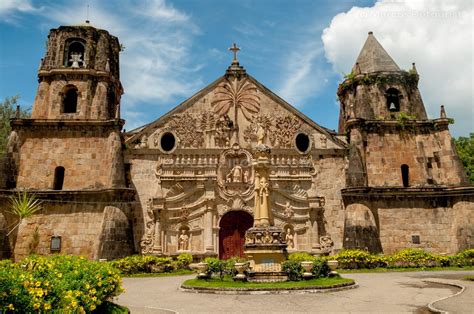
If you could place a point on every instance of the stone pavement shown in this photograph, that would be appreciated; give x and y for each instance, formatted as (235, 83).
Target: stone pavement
(402, 292)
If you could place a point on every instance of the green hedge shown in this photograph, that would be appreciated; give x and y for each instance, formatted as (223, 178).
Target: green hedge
(68, 284)
(354, 259)
(295, 271)
(151, 264)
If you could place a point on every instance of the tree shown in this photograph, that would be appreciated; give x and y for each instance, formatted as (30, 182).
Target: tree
(465, 148)
(8, 111)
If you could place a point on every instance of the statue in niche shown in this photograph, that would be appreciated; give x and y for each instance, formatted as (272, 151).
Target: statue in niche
(183, 240)
(289, 211)
(235, 175)
(290, 238)
(76, 57)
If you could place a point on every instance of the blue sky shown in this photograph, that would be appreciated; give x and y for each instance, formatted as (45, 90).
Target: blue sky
(299, 49)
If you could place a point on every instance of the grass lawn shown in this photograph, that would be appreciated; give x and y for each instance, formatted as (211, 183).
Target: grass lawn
(387, 270)
(180, 272)
(228, 282)
(471, 278)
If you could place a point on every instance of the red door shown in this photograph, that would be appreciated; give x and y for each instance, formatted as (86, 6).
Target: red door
(232, 233)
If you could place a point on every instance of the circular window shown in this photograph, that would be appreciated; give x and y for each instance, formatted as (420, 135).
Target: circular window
(302, 142)
(168, 141)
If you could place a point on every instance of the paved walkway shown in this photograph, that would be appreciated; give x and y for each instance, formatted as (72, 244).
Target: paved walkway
(403, 292)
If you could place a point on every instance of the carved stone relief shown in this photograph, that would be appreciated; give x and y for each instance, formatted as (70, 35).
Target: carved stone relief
(284, 132)
(235, 173)
(185, 127)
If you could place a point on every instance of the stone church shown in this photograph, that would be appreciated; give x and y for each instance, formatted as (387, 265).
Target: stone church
(390, 178)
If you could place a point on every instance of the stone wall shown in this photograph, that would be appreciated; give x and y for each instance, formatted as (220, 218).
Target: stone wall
(87, 227)
(430, 156)
(91, 156)
(440, 223)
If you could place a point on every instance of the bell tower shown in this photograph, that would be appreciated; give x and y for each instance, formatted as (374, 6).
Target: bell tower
(73, 140)
(392, 142)
(79, 75)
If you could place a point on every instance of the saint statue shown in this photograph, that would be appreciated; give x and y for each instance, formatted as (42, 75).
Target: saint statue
(183, 241)
(260, 134)
(289, 238)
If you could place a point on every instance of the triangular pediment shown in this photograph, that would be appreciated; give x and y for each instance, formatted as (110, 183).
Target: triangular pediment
(234, 109)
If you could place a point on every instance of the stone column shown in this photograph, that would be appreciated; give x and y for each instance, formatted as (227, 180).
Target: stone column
(157, 241)
(208, 228)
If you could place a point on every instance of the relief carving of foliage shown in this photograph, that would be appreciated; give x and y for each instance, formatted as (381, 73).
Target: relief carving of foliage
(207, 121)
(284, 131)
(250, 132)
(185, 127)
(237, 94)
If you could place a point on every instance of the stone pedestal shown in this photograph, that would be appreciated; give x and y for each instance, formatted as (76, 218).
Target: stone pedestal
(266, 250)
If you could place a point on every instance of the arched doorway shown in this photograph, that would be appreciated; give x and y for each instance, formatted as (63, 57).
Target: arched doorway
(232, 233)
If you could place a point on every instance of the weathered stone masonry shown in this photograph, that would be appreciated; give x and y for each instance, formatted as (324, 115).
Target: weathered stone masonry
(390, 178)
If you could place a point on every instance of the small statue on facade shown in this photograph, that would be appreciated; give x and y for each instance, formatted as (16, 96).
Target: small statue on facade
(289, 238)
(183, 241)
(288, 212)
(235, 174)
(260, 134)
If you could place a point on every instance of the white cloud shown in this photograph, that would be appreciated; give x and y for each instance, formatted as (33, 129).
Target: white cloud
(436, 34)
(9, 9)
(156, 63)
(303, 76)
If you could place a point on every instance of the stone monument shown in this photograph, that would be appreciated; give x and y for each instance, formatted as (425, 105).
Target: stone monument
(265, 244)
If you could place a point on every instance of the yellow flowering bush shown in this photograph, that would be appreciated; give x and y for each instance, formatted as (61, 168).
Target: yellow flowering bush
(69, 283)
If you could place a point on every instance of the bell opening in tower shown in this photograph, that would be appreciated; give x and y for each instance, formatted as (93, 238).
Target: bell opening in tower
(75, 53)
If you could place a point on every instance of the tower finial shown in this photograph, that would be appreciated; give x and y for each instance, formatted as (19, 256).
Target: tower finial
(87, 17)
(234, 49)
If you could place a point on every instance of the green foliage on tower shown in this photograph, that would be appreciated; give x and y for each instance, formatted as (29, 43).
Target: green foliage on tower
(465, 148)
(8, 111)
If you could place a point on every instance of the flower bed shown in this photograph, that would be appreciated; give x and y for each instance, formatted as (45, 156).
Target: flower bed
(406, 258)
(60, 283)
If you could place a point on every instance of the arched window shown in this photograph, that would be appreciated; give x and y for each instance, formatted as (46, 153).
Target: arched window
(75, 53)
(405, 175)
(58, 178)
(70, 99)
(393, 99)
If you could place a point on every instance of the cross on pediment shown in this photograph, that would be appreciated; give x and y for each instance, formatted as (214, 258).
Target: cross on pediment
(234, 49)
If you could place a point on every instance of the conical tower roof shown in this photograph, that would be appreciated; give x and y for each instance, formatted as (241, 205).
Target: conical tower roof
(373, 58)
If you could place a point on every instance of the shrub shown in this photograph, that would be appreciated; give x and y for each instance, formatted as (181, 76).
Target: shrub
(183, 260)
(216, 266)
(413, 258)
(320, 268)
(144, 264)
(353, 259)
(63, 283)
(293, 269)
(301, 257)
(463, 258)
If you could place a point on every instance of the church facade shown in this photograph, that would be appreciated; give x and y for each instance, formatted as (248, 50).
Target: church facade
(390, 177)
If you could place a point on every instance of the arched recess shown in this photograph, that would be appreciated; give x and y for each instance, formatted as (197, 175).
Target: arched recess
(70, 97)
(74, 53)
(232, 228)
(360, 229)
